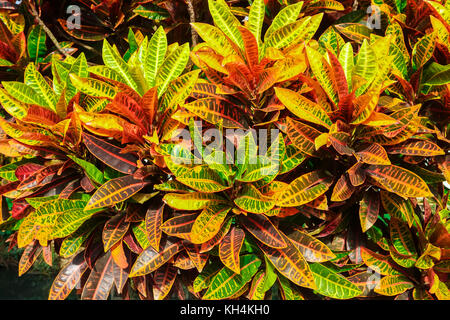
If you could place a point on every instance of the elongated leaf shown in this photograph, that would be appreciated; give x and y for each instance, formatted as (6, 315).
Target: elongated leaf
(110, 154)
(312, 249)
(37, 82)
(343, 189)
(114, 230)
(208, 223)
(36, 43)
(73, 242)
(251, 200)
(323, 73)
(192, 201)
(172, 67)
(113, 60)
(257, 287)
(164, 278)
(290, 262)
(225, 20)
(180, 226)
(366, 66)
(303, 136)
(24, 93)
(214, 110)
(286, 16)
(226, 283)
(230, 247)
(398, 180)
(100, 281)
(203, 280)
(423, 50)
(14, 107)
(153, 221)
(115, 191)
(398, 207)
(302, 107)
(91, 170)
(333, 285)
(202, 178)
(263, 229)
(93, 87)
(214, 37)
(377, 262)
(373, 154)
(369, 208)
(71, 220)
(294, 32)
(421, 148)
(401, 238)
(68, 277)
(29, 256)
(393, 285)
(150, 260)
(256, 19)
(157, 48)
(304, 189)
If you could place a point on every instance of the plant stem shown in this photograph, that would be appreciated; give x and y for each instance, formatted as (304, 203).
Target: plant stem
(46, 29)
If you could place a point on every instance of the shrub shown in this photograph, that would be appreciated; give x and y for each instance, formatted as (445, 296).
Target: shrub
(300, 155)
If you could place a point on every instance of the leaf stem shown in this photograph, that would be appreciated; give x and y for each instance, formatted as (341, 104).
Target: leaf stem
(46, 29)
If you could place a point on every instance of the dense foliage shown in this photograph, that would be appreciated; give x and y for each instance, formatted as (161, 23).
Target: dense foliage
(297, 151)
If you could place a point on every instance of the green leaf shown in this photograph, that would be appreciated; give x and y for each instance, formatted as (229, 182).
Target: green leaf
(36, 43)
(172, 67)
(208, 223)
(226, 283)
(226, 21)
(251, 200)
(423, 50)
(113, 60)
(304, 189)
(91, 170)
(157, 48)
(347, 62)
(393, 285)
(402, 239)
(93, 87)
(23, 93)
(256, 19)
(286, 16)
(333, 285)
(37, 82)
(436, 74)
(192, 201)
(303, 108)
(151, 11)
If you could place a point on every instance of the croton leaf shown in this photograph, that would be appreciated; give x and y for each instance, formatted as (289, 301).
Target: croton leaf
(68, 277)
(333, 285)
(150, 260)
(290, 262)
(264, 230)
(399, 180)
(101, 279)
(110, 154)
(208, 223)
(304, 189)
(115, 191)
(393, 285)
(226, 283)
(230, 248)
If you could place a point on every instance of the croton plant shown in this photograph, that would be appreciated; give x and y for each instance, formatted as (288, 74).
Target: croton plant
(294, 153)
